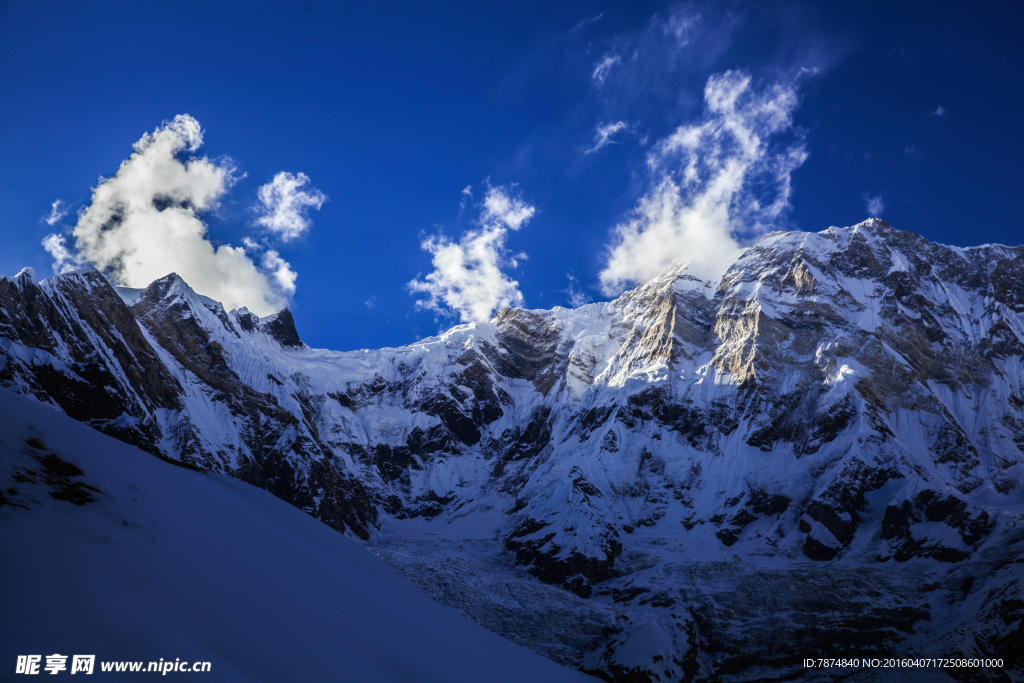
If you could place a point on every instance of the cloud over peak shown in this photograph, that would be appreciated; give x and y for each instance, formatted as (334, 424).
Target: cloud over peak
(146, 221)
(715, 184)
(467, 279)
(874, 205)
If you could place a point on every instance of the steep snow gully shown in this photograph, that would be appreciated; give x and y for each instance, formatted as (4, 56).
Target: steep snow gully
(821, 454)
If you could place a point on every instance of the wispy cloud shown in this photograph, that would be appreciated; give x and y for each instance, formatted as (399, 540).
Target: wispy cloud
(604, 133)
(284, 205)
(940, 111)
(714, 185)
(467, 279)
(874, 205)
(63, 260)
(575, 294)
(602, 68)
(57, 211)
(467, 197)
(146, 222)
(680, 24)
(584, 23)
(280, 270)
(913, 152)
(656, 66)
(371, 303)
(664, 64)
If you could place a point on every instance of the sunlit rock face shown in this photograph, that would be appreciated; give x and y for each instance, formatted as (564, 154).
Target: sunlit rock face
(820, 452)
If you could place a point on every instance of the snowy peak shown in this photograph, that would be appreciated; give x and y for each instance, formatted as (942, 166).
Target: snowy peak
(171, 297)
(853, 397)
(281, 326)
(174, 375)
(28, 275)
(171, 292)
(172, 286)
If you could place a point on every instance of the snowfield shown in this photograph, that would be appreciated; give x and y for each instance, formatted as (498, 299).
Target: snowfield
(167, 562)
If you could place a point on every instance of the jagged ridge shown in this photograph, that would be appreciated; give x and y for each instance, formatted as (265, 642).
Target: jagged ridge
(846, 396)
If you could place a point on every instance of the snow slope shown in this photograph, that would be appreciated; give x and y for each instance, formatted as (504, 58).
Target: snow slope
(167, 562)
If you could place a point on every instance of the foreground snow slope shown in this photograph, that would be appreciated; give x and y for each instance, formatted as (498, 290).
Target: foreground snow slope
(168, 562)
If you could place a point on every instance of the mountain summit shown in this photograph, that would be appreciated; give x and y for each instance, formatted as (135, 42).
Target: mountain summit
(823, 449)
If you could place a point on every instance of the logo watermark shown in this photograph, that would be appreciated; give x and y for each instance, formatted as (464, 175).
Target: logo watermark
(33, 665)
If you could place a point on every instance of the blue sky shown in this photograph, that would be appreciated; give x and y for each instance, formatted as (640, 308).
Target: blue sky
(392, 110)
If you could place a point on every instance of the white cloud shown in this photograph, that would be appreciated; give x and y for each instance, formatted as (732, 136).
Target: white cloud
(57, 211)
(371, 303)
(284, 205)
(280, 270)
(501, 209)
(603, 67)
(874, 205)
(939, 111)
(467, 279)
(575, 294)
(467, 197)
(715, 185)
(604, 133)
(145, 222)
(63, 260)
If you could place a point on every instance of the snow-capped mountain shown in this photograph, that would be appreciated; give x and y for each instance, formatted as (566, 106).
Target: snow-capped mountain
(822, 452)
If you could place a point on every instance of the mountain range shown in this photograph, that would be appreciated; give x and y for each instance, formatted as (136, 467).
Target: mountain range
(819, 454)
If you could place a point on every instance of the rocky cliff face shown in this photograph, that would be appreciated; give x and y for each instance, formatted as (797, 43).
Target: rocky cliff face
(822, 452)
(156, 375)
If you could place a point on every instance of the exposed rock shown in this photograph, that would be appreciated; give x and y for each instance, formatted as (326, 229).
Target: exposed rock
(852, 396)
